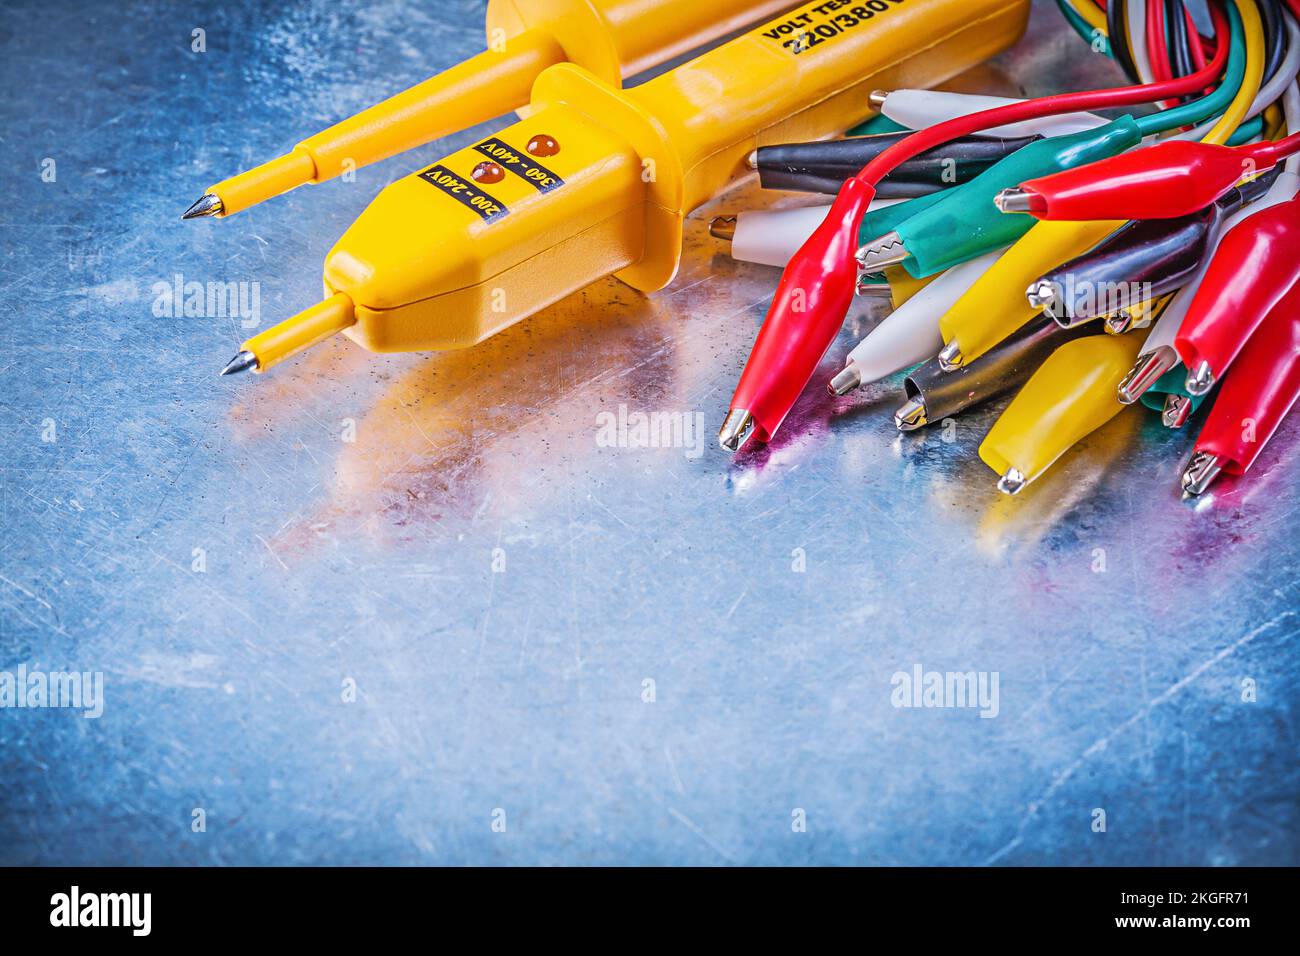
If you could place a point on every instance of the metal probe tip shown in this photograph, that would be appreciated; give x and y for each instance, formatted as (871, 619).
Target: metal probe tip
(735, 429)
(846, 380)
(950, 357)
(1042, 295)
(1201, 471)
(723, 227)
(1011, 482)
(886, 250)
(1117, 323)
(910, 416)
(243, 362)
(1200, 379)
(877, 98)
(752, 160)
(207, 205)
(873, 290)
(1014, 199)
(1178, 408)
(1145, 373)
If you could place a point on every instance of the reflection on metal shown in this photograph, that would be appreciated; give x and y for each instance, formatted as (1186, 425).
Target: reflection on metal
(355, 609)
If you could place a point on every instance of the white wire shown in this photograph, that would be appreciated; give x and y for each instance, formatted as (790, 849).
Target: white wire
(1291, 109)
(1200, 11)
(1135, 16)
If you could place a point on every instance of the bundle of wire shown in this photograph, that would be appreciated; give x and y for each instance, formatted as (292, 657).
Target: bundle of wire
(1035, 248)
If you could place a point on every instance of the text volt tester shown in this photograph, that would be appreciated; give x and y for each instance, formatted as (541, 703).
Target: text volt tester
(597, 180)
(611, 38)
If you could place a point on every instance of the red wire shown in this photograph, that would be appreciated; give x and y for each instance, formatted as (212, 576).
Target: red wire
(1196, 41)
(1274, 151)
(1157, 49)
(1157, 46)
(937, 135)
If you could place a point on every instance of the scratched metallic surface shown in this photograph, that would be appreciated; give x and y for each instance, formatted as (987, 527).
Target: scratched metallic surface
(523, 688)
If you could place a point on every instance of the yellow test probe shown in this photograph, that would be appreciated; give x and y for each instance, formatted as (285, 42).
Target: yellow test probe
(1071, 395)
(598, 180)
(611, 38)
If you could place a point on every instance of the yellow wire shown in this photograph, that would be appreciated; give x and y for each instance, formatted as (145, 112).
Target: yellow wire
(1236, 112)
(1273, 121)
(1091, 14)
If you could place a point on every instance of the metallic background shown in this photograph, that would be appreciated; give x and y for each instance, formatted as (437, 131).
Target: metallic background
(523, 690)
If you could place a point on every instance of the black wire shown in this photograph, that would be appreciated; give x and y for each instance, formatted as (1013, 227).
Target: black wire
(1274, 36)
(1180, 46)
(1118, 34)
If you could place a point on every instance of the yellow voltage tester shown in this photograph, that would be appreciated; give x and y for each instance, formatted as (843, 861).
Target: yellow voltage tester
(597, 180)
(611, 38)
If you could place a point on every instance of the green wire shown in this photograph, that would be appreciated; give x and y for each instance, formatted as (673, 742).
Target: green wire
(1198, 111)
(1247, 131)
(880, 123)
(1081, 27)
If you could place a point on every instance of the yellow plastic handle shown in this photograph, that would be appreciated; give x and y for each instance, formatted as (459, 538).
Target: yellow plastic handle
(611, 38)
